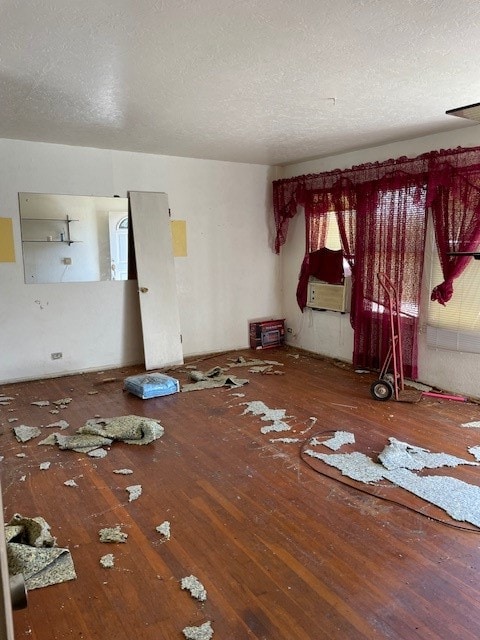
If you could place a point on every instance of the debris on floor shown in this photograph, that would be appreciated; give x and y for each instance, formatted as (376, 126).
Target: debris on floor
(81, 443)
(275, 416)
(401, 455)
(34, 531)
(459, 499)
(261, 368)
(196, 588)
(108, 561)
(472, 425)
(24, 433)
(134, 492)
(285, 440)
(356, 465)
(123, 472)
(164, 529)
(49, 440)
(33, 551)
(266, 370)
(99, 432)
(309, 428)
(45, 465)
(62, 402)
(130, 429)
(107, 380)
(475, 451)
(113, 534)
(346, 406)
(203, 632)
(60, 424)
(254, 362)
(417, 385)
(70, 483)
(339, 439)
(97, 453)
(212, 379)
(41, 403)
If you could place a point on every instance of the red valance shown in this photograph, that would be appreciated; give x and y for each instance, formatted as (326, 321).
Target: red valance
(433, 168)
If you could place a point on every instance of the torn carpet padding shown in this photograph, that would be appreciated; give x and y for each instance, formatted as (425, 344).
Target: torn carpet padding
(401, 455)
(254, 362)
(103, 431)
(130, 429)
(355, 465)
(275, 416)
(212, 379)
(459, 499)
(196, 588)
(24, 433)
(339, 439)
(475, 451)
(32, 551)
(471, 425)
(203, 632)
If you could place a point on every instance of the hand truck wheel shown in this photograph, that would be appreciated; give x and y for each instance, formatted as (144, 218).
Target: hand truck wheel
(381, 390)
(389, 377)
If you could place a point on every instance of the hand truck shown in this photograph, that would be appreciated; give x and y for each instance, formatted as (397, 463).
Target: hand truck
(392, 383)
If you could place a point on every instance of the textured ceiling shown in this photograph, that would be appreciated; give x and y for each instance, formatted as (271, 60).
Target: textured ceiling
(261, 81)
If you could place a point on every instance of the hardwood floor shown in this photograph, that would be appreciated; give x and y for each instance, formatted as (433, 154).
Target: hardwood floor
(284, 552)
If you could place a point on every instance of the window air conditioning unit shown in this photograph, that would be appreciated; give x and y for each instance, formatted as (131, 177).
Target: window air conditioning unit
(329, 297)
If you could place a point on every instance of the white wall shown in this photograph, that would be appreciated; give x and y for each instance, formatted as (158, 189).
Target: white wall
(230, 275)
(330, 333)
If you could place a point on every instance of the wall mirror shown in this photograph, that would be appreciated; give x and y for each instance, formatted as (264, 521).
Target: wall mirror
(73, 238)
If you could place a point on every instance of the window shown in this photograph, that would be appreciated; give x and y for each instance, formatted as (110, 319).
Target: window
(456, 326)
(396, 248)
(333, 241)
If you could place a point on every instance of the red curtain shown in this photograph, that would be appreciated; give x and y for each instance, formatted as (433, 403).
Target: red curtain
(345, 200)
(455, 206)
(286, 198)
(390, 240)
(315, 233)
(382, 229)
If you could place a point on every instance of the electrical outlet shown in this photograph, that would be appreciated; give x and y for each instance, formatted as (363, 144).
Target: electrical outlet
(57, 355)
(67, 261)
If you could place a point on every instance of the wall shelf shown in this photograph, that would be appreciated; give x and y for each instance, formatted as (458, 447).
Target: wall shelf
(61, 230)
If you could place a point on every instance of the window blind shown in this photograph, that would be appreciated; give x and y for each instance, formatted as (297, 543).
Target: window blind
(456, 326)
